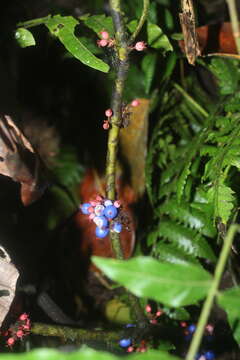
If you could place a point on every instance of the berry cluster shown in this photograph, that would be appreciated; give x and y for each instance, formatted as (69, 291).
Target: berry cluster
(18, 330)
(104, 213)
(153, 316)
(105, 39)
(130, 346)
(189, 330)
(106, 123)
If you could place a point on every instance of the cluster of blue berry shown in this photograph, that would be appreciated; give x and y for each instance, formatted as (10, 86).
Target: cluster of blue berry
(103, 213)
(208, 337)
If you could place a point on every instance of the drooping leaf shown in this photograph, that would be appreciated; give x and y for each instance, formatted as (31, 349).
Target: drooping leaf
(24, 37)
(157, 39)
(99, 23)
(148, 67)
(171, 284)
(63, 28)
(229, 301)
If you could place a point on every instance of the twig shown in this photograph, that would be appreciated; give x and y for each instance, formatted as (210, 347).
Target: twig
(234, 21)
(141, 21)
(212, 292)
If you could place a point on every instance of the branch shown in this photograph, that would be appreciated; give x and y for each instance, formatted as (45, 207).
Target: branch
(234, 21)
(141, 21)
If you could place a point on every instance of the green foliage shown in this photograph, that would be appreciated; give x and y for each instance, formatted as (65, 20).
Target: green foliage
(157, 39)
(24, 37)
(98, 23)
(171, 284)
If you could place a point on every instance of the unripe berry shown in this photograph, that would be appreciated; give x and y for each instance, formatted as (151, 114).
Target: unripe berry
(84, 208)
(117, 204)
(102, 43)
(101, 221)
(140, 46)
(92, 216)
(108, 202)
(110, 212)
(130, 349)
(104, 35)
(125, 342)
(108, 112)
(135, 103)
(99, 209)
(101, 233)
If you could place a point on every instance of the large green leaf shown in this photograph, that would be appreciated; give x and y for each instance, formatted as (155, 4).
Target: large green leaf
(229, 301)
(84, 354)
(63, 28)
(171, 284)
(157, 39)
(148, 67)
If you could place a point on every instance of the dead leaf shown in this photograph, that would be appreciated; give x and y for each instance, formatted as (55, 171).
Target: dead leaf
(133, 145)
(8, 279)
(188, 24)
(19, 161)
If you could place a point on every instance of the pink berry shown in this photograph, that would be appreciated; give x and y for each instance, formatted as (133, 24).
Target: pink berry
(20, 333)
(104, 35)
(130, 349)
(102, 43)
(140, 46)
(183, 324)
(135, 103)
(148, 308)
(93, 203)
(117, 203)
(23, 317)
(106, 125)
(99, 198)
(210, 328)
(153, 321)
(92, 216)
(159, 313)
(26, 327)
(108, 112)
(10, 341)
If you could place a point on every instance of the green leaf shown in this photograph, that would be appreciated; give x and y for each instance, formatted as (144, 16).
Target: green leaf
(222, 197)
(171, 284)
(86, 354)
(98, 23)
(157, 39)
(63, 28)
(148, 67)
(173, 254)
(226, 74)
(181, 183)
(132, 25)
(229, 301)
(24, 37)
(186, 239)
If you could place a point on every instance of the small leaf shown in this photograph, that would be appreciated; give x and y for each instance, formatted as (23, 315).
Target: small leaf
(171, 284)
(157, 39)
(132, 25)
(63, 28)
(148, 67)
(98, 23)
(229, 301)
(24, 37)
(181, 183)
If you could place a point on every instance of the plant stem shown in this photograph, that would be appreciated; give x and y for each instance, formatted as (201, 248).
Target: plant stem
(141, 21)
(122, 52)
(234, 21)
(212, 292)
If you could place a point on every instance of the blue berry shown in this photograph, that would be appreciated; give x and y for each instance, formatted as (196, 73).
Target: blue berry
(209, 355)
(191, 328)
(125, 342)
(130, 325)
(117, 227)
(101, 221)
(110, 212)
(85, 207)
(101, 232)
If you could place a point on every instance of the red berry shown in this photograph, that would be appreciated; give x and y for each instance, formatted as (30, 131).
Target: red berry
(148, 308)
(140, 46)
(108, 112)
(10, 341)
(102, 43)
(104, 35)
(135, 103)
